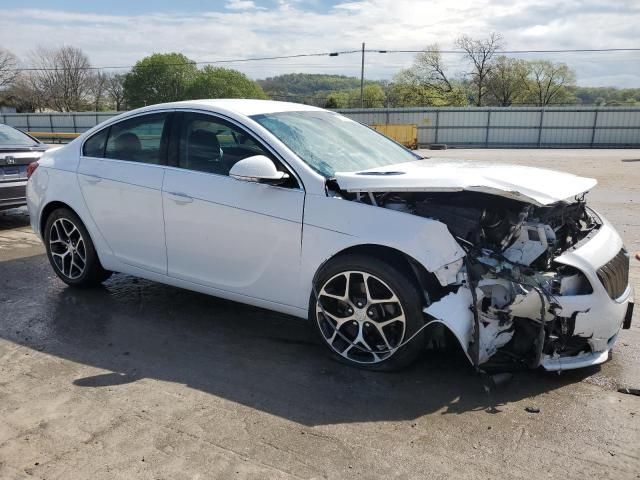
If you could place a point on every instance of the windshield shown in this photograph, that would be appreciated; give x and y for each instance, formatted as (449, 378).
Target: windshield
(331, 143)
(11, 136)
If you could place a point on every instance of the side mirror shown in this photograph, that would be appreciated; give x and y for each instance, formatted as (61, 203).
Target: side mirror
(259, 169)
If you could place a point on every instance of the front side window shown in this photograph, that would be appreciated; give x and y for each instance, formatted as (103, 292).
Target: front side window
(330, 143)
(140, 139)
(210, 145)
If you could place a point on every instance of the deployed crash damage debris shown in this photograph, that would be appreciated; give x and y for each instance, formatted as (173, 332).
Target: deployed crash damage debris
(510, 302)
(630, 391)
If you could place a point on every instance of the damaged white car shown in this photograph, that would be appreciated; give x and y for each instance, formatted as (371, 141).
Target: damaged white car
(303, 211)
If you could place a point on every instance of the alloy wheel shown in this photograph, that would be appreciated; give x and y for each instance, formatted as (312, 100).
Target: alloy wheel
(360, 317)
(68, 248)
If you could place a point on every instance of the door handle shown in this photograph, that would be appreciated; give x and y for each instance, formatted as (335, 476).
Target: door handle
(180, 197)
(92, 178)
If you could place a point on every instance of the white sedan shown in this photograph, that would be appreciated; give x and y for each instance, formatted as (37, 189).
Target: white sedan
(306, 212)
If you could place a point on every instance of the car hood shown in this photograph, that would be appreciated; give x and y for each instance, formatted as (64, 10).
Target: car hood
(534, 185)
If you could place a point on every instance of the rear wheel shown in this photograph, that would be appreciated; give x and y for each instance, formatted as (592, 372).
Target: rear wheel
(365, 310)
(71, 251)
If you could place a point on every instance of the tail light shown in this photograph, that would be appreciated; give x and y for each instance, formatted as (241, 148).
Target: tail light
(31, 168)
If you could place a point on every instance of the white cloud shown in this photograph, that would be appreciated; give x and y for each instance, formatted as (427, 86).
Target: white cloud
(247, 30)
(240, 5)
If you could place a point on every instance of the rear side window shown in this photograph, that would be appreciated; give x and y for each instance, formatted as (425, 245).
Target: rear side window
(94, 147)
(12, 136)
(140, 139)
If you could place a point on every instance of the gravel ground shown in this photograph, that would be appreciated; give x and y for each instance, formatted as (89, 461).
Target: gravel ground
(141, 380)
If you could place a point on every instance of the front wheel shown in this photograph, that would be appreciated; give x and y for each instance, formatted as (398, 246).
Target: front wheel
(71, 251)
(364, 310)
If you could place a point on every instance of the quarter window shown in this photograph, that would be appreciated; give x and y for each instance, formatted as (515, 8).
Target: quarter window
(139, 139)
(94, 146)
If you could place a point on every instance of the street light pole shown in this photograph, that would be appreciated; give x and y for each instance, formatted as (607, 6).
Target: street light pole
(362, 79)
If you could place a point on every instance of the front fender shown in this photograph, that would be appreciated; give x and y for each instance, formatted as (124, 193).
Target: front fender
(332, 225)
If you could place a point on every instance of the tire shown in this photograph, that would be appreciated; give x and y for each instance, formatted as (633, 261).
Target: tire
(67, 242)
(393, 307)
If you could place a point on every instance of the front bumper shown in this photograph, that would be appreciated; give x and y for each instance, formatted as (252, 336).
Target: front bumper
(598, 317)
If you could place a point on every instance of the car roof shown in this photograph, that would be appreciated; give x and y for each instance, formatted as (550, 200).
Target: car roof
(239, 106)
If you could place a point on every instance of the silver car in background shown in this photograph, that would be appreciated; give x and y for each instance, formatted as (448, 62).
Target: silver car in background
(17, 151)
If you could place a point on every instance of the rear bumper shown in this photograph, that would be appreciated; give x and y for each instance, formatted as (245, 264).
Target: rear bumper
(13, 194)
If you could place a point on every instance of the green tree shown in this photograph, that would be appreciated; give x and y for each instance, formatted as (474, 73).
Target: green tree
(407, 90)
(212, 82)
(506, 82)
(373, 97)
(549, 83)
(158, 78)
(607, 95)
(337, 100)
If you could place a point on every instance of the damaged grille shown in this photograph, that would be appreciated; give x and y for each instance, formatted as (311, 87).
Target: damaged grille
(614, 275)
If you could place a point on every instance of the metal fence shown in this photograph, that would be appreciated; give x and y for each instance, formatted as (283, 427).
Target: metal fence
(75, 122)
(514, 127)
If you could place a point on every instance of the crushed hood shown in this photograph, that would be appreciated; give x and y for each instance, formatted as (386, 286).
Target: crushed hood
(534, 185)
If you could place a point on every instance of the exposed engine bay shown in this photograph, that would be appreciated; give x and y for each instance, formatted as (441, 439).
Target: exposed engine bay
(508, 280)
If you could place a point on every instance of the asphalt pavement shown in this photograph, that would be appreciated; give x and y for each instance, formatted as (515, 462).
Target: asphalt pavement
(146, 381)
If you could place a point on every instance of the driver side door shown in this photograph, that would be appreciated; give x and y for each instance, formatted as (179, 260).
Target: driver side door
(238, 237)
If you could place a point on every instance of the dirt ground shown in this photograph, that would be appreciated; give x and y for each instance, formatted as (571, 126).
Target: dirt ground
(140, 380)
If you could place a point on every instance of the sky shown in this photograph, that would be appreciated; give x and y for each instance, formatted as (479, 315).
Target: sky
(120, 32)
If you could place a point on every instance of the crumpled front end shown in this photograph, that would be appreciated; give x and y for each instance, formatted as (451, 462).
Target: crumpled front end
(540, 285)
(592, 321)
(563, 313)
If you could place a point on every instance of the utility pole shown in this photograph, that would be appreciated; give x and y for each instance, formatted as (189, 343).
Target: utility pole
(362, 79)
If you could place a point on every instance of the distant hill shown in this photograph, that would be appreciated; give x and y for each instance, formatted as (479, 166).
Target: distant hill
(340, 91)
(307, 83)
(309, 87)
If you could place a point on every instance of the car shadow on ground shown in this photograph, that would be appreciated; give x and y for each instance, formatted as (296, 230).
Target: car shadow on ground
(14, 218)
(137, 329)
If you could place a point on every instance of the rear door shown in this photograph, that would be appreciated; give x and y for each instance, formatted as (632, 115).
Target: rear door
(120, 173)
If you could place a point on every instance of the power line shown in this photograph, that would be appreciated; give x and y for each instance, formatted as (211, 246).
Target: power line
(512, 52)
(208, 62)
(330, 54)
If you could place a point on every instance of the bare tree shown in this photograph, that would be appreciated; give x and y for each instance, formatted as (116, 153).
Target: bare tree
(24, 94)
(425, 82)
(548, 82)
(64, 77)
(115, 89)
(97, 88)
(8, 64)
(480, 53)
(429, 70)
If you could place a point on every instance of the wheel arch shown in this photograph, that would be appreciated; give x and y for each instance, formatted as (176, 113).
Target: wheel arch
(424, 280)
(48, 209)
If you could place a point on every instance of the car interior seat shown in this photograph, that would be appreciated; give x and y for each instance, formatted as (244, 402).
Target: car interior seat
(204, 152)
(127, 146)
